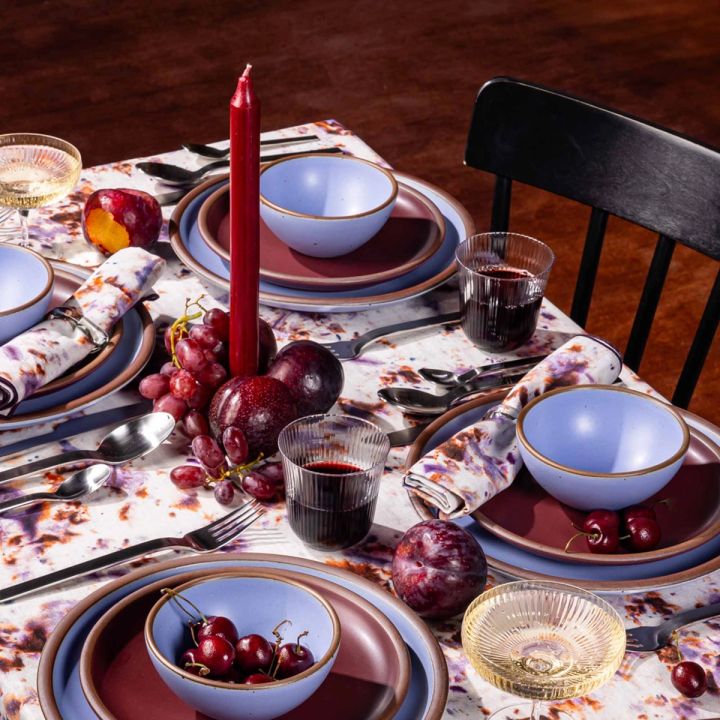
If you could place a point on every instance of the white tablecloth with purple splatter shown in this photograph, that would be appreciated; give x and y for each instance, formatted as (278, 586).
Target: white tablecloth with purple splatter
(143, 503)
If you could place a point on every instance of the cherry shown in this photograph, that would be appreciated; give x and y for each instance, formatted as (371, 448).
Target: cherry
(252, 653)
(689, 678)
(216, 653)
(190, 663)
(643, 533)
(293, 658)
(218, 625)
(601, 529)
(258, 678)
(638, 511)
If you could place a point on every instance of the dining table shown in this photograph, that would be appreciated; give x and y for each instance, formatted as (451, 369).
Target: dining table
(141, 502)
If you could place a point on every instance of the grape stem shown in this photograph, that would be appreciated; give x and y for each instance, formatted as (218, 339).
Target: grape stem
(181, 323)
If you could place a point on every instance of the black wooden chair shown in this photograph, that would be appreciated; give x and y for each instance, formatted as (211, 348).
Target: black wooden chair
(618, 165)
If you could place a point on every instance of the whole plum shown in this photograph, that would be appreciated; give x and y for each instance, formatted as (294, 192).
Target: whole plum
(438, 568)
(113, 219)
(259, 405)
(268, 347)
(312, 373)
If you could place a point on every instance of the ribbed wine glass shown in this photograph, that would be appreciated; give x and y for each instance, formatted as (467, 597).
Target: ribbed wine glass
(542, 641)
(35, 170)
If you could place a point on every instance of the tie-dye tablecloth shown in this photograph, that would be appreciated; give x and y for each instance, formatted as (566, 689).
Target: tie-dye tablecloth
(143, 503)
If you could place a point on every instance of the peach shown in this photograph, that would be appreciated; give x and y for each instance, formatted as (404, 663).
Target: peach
(119, 218)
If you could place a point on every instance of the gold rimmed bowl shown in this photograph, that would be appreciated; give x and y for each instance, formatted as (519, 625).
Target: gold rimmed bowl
(326, 205)
(256, 602)
(601, 446)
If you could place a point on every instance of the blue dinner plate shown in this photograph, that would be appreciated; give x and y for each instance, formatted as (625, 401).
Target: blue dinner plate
(509, 554)
(428, 685)
(127, 350)
(212, 267)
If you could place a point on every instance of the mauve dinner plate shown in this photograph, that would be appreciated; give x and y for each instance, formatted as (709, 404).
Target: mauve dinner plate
(696, 556)
(66, 283)
(192, 250)
(59, 689)
(132, 353)
(412, 234)
(369, 679)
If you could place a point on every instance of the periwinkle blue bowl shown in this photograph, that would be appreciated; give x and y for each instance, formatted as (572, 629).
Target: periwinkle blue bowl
(26, 279)
(601, 446)
(326, 205)
(256, 601)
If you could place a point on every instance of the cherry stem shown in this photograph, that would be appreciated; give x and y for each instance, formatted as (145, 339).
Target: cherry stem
(204, 669)
(593, 536)
(174, 595)
(676, 640)
(300, 636)
(274, 664)
(665, 501)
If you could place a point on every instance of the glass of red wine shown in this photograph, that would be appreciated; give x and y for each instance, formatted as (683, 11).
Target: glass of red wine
(502, 282)
(333, 465)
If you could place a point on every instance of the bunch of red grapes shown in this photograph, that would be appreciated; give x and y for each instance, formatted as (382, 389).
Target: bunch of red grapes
(184, 387)
(218, 652)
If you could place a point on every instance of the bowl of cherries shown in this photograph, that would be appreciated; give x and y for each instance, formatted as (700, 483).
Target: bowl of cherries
(246, 645)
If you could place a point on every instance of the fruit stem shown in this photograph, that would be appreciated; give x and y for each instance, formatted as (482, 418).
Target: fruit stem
(594, 536)
(239, 471)
(174, 595)
(181, 324)
(204, 669)
(301, 635)
(272, 670)
(675, 638)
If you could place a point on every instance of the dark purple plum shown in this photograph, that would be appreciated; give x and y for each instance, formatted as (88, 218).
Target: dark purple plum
(312, 373)
(260, 406)
(438, 568)
(268, 347)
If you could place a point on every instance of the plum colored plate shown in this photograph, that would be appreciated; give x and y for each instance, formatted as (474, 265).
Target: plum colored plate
(189, 246)
(60, 692)
(66, 283)
(121, 367)
(412, 234)
(369, 680)
(519, 562)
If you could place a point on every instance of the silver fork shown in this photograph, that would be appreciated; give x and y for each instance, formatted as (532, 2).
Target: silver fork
(350, 349)
(205, 539)
(653, 637)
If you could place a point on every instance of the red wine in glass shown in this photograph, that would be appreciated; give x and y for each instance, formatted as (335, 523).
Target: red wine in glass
(323, 521)
(500, 307)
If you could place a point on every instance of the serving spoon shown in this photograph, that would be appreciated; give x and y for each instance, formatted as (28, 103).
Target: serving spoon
(128, 441)
(176, 175)
(79, 484)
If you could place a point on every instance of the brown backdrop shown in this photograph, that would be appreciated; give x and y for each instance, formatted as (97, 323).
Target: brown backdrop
(127, 78)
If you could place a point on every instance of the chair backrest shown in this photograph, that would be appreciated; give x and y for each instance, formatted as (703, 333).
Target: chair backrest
(619, 165)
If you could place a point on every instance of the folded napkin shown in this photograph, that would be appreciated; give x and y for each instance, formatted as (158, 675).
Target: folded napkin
(483, 459)
(54, 345)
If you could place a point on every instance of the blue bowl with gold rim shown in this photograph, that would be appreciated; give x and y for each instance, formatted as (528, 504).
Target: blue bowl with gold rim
(326, 205)
(601, 446)
(256, 601)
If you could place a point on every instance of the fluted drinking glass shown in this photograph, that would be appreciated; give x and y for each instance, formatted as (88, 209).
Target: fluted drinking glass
(542, 641)
(502, 282)
(333, 465)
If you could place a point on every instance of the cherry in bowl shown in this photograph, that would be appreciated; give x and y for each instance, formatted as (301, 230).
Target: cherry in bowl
(255, 601)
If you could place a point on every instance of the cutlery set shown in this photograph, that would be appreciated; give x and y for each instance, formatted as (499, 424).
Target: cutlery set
(270, 150)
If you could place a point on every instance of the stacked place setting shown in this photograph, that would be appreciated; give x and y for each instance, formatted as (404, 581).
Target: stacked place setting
(322, 572)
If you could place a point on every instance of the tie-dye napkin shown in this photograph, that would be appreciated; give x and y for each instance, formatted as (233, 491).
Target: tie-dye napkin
(54, 345)
(483, 459)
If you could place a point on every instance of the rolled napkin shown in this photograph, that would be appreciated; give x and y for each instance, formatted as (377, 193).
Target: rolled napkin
(480, 461)
(72, 332)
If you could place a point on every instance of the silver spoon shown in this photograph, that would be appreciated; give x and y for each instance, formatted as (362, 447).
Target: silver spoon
(419, 402)
(76, 486)
(176, 175)
(213, 152)
(128, 441)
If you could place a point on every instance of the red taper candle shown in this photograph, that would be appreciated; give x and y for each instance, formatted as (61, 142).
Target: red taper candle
(244, 227)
